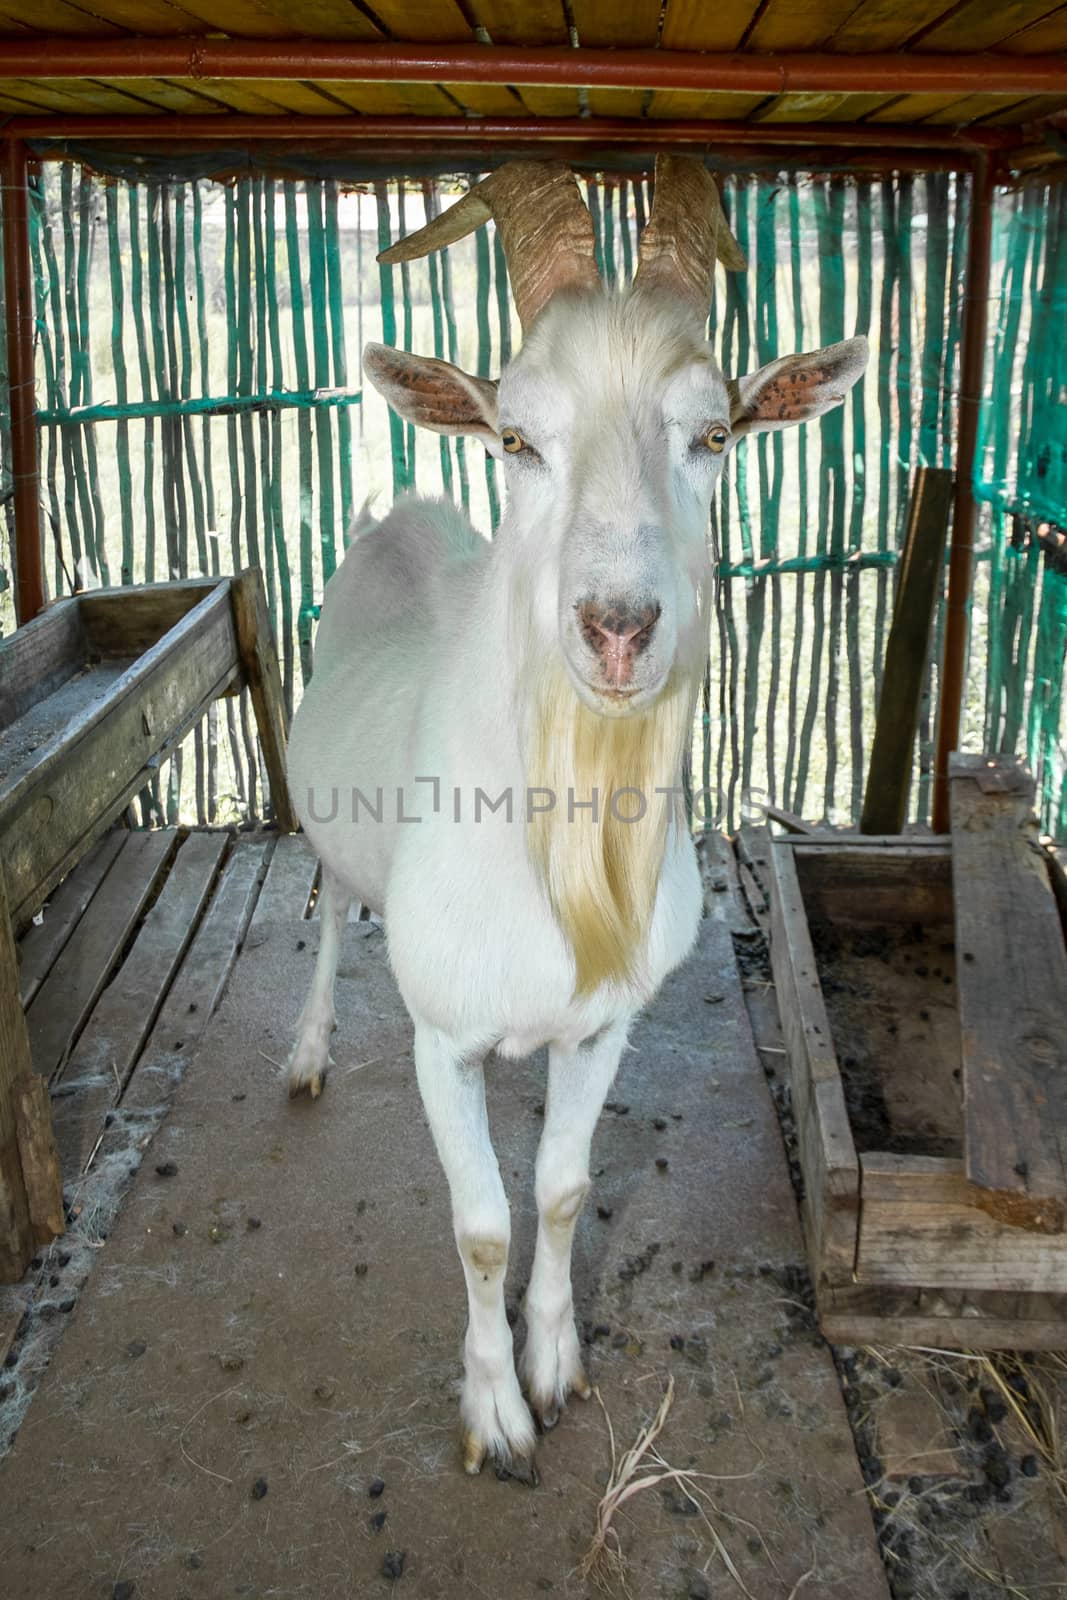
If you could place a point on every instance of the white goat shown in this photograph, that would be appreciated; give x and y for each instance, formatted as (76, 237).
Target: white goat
(550, 674)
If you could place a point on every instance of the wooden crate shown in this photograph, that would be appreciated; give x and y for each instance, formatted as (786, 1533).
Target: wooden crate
(93, 695)
(100, 689)
(922, 985)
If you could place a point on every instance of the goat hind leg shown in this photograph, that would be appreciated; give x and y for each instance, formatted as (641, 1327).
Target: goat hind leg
(495, 1419)
(310, 1054)
(578, 1081)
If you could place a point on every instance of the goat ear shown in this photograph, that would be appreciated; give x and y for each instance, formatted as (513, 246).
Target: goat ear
(434, 394)
(796, 388)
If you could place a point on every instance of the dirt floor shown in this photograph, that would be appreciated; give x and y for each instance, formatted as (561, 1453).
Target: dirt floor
(256, 1392)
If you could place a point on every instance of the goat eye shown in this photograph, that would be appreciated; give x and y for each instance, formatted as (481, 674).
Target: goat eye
(513, 442)
(716, 438)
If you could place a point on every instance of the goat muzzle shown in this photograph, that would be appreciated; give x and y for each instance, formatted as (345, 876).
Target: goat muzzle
(617, 633)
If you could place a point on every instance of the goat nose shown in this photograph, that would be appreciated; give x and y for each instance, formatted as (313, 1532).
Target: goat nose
(618, 632)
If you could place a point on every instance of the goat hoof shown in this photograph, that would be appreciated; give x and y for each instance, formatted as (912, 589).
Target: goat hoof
(521, 1468)
(312, 1086)
(472, 1451)
(548, 1408)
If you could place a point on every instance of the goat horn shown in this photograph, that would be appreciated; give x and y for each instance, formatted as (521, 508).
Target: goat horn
(686, 232)
(544, 224)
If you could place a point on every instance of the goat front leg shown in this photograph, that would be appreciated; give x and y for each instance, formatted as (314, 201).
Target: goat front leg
(495, 1419)
(578, 1082)
(310, 1054)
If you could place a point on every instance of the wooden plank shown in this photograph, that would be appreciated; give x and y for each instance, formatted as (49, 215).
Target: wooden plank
(976, 25)
(424, 21)
(828, 107)
(1046, 37)
(1035, 108)
(875, 883)
(41, 944)
(882, 25)
(127, 622)
(113, 16)
(17, 1242)
(42, 727)
(271, 19)
(236, 95)
(391, 99)
(930, 104)
(920, 580)
(322, 19)
(790, 821)
(729, 105)
(859, 1314)
(877, 25)
(201, 981)
(546, 100)
(919, 1224)
(312, 99)
(608, 24)
(50, 816)
(1012, 983)
(976, 108)
(165, 94)
(724, 899)
(287, 888)
(65, 1000)
(827, 1152)
(57, 16)
(929, 1181)
(24, 95)
(616, 102)
(259, 657)
(37, 658)
(31, 1191)
(794, 25)
(843, 838)
(521, 21)
(694, 25)
(914, 1180)
(40, 1161)
(106, 1053)
(487, 99)
(753, 867)
(83, 94)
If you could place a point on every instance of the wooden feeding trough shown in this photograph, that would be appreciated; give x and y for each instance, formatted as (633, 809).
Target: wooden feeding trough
(922, 984)
(94, 694)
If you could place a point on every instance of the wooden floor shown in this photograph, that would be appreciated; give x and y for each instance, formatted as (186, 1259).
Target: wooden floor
(256, 1292)
(120, 976)
(275, 1318)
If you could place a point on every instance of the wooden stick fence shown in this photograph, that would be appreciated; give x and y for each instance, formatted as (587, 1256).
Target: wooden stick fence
(196, 351)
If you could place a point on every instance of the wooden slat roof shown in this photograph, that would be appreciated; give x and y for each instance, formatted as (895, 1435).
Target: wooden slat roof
(909, 30)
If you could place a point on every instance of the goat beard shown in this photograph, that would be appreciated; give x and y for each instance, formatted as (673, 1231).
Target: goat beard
(600, 870)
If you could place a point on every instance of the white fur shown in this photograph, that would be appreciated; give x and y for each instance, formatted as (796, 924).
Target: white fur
(429, 640)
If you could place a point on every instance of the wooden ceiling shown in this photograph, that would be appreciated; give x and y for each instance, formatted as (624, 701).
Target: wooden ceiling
(910, 30)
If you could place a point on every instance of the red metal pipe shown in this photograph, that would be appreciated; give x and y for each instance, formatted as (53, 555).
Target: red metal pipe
(805, 72)
(964, 509)
(18, 287)
(639, 132)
